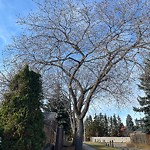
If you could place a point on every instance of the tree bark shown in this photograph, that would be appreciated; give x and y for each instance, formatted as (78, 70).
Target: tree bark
(74, 137)
(79, 134)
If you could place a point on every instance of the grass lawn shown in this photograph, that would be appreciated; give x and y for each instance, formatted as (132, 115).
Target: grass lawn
(99, 146)
(140, 146)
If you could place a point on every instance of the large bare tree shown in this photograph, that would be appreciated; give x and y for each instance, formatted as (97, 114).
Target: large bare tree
(91, 46)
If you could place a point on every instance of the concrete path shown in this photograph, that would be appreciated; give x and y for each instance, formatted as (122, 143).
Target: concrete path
(87, 147)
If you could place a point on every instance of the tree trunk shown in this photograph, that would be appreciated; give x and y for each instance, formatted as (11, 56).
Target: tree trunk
(73, 126)
(74, 136)
(79, 135)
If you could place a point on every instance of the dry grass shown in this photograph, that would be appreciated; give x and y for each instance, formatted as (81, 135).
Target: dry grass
(99, 146)
(140, 146)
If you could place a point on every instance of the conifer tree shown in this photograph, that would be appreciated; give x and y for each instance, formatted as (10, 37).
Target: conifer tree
(96, 127)
(21, 118)
(88, 127)
(119, 120)
(129, 124)
(101, 124)
(120, 126)
(58, 103)
(105, 126)
(145, 100)
(110, 125)
(115, 126)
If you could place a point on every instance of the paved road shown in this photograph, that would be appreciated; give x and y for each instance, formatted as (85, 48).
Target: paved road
(86, 147)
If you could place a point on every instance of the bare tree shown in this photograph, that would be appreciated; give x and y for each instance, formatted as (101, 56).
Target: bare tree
(5, 77)
(92, 46)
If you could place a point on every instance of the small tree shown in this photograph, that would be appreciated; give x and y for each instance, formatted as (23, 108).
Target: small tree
(20, 115)
(145, 100)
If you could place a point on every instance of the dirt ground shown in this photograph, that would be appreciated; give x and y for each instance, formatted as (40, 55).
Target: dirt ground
(68, 146)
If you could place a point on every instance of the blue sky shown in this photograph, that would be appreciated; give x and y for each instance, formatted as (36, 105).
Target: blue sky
(10, 10)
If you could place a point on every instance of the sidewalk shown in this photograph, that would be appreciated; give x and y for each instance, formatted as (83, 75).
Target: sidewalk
(86, 147)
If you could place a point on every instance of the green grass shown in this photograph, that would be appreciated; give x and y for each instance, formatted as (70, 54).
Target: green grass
(99, 146)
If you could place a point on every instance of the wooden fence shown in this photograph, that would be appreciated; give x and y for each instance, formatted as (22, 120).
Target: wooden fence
(140, 137)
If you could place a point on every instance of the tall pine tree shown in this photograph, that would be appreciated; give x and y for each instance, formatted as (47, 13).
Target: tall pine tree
(59, 103)
(88, 127)
(105, 125)
(120, 125)
(115, 126)
(129, 124)
(110, 127)
(21, 118)
(145, 100)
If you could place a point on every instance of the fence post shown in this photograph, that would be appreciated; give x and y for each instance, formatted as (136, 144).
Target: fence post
(112, 144)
